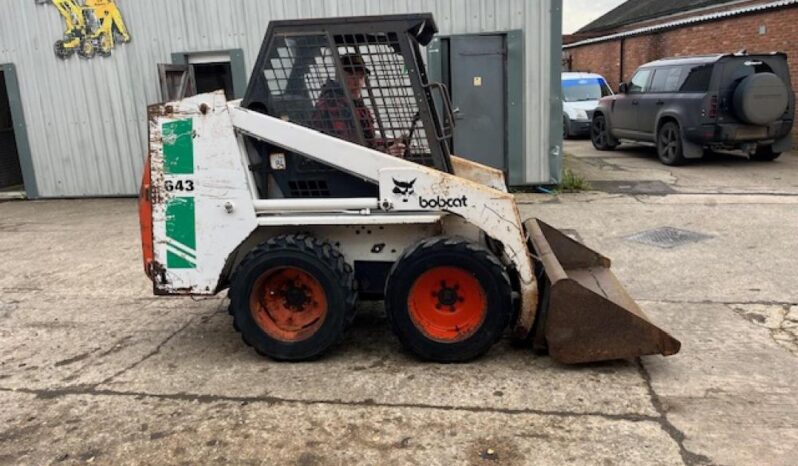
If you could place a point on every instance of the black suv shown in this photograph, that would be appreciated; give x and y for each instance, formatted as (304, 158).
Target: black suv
(688, 105)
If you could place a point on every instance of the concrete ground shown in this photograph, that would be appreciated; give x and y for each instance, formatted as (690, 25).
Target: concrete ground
(93, 369)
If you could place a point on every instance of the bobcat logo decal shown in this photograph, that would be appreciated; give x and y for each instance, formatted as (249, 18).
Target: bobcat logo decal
(404, 189)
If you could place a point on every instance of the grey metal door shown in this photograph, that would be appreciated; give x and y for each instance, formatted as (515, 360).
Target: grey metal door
(10, 169)
(624, 113)
(626, 107)
(477, 77)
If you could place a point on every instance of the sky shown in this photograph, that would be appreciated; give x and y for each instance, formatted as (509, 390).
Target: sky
(577, 13)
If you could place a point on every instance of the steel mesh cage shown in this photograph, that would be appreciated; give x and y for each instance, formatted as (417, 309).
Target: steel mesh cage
(301, 77)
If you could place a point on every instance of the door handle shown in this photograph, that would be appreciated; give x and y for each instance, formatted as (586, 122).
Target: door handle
(660, 102)
(635, 102)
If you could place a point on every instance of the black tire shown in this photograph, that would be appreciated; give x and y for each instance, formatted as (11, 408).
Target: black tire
(566, 131)
(61, 51)
(87, 49)
(669, 144)
(485, 289)
(600, 135)
(280, 257)
(764, 154)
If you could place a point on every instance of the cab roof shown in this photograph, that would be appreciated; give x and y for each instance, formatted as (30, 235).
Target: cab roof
(419, 25)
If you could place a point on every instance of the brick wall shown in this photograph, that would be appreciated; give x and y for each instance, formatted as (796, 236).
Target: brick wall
(722, 36)
(732, 5)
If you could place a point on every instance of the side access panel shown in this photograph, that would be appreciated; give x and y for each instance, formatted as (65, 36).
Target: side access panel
(202, 206)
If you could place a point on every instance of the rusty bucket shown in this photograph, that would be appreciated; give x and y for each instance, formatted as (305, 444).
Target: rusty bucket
(586, 314)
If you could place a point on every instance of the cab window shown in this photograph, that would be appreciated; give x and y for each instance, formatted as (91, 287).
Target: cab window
(584, 89)
(639, 82)
(697, 79)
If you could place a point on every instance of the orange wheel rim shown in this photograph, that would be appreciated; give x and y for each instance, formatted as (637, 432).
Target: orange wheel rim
(288, 303)
(447, 304)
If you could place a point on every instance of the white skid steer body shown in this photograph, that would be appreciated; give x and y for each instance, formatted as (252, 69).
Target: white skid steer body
(202, 214)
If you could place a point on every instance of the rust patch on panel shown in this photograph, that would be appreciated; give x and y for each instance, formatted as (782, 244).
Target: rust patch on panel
(589, 315)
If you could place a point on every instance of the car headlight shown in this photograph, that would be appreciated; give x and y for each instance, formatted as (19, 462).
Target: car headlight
(581, 114)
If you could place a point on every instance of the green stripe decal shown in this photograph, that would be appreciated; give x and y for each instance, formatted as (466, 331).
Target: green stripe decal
(181, 232)
(177, 260)
(178, 147)
(182, 250)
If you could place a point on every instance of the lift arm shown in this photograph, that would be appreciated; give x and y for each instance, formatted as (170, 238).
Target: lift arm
(73, 15)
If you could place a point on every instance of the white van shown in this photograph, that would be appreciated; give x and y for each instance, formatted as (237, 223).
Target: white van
(580, 95)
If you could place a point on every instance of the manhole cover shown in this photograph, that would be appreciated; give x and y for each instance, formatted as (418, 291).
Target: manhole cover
(668, 237)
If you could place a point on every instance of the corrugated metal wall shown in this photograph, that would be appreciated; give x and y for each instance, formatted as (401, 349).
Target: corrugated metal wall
(86, 118)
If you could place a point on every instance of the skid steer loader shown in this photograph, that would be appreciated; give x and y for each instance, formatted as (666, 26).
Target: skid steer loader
(332, 180)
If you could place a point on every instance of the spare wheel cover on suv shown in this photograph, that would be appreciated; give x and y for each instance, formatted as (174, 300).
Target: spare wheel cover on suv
(760, 99)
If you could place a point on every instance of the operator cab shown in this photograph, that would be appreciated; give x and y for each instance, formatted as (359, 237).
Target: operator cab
(362, 81)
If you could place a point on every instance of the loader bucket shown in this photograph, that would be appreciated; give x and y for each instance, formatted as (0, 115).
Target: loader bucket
(586, 314)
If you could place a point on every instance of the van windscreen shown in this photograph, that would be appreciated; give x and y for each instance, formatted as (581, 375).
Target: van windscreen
(584, 89)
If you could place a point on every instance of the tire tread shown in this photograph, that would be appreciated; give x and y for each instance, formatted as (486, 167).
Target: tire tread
(304, 243)
(458, 245)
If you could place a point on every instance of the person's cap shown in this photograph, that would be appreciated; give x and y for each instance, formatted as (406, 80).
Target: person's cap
(353, 63)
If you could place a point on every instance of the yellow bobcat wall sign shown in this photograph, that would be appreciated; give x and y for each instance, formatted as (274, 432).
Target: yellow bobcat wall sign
(92, 27)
